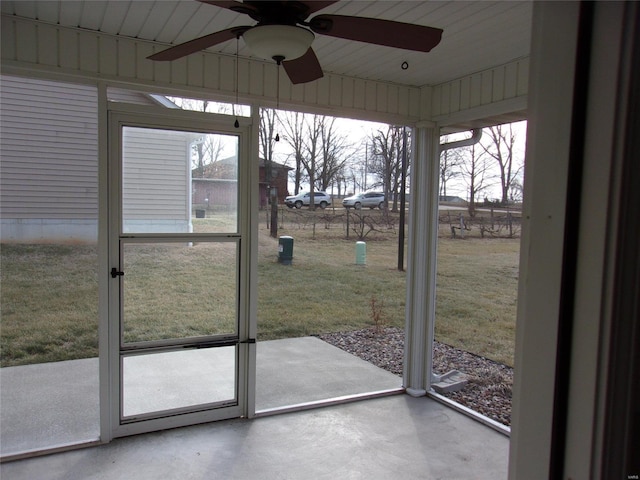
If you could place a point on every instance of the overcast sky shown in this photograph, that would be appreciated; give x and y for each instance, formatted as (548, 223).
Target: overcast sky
(359, 132)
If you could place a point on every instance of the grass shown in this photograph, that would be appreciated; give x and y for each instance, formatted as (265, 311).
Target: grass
(323, 290)
(49, 292)
(49, 301)
(179, 290)
(476, 295)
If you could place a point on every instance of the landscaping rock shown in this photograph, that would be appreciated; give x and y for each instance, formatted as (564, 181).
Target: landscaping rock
(489, 383)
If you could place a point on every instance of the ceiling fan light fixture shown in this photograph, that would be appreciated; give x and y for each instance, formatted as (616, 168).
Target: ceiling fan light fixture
(278, 41)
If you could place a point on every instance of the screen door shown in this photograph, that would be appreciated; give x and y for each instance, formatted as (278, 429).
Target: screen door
(176, 254)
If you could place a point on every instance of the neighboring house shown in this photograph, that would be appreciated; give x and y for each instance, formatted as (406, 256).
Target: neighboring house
(49, 167)
(217, 185)
(280, 175)
(49, 161)
(214, 192)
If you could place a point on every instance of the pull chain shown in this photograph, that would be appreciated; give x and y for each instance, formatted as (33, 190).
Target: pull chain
(278, 60)
(236, 123)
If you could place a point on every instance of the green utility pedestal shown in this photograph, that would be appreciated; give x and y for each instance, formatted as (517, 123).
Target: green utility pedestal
(361, 253)
(285, 250)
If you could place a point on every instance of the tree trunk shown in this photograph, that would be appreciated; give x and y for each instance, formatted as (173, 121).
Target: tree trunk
(274, 215)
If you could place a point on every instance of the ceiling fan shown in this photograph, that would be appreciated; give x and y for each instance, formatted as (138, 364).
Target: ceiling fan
(284, 34)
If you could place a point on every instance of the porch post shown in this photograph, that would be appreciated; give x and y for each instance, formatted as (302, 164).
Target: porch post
(421, 269)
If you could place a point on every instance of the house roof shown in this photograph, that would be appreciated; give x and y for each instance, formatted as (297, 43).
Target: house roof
(261, 163)
(212, 170)
(277, 166)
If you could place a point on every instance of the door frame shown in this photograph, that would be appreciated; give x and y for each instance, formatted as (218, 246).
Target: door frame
(117, 116)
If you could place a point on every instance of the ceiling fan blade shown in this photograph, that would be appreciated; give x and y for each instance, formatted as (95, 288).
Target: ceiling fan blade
(316, 5)
(303, 69)
(198, 44)
(222, 3)
(239, 7)
(379, 32)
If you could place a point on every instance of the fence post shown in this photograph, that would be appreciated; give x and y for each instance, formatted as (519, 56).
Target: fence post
(347, 223)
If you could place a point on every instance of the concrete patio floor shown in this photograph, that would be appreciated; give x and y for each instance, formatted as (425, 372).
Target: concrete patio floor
(50, 404)
(389, 437)
(384, 438)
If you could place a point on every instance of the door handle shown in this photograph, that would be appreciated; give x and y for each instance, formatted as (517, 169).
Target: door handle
(116, 273)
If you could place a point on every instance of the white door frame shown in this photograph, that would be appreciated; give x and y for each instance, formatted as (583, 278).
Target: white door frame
(135, 115)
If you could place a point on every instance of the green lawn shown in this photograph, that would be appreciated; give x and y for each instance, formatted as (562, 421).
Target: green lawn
(49, 293)
(477, 288)
(177, 290)
(49, 301)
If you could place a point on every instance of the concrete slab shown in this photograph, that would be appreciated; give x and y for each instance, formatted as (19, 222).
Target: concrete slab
(298, 370)
(47, 405)
(384, 438)
(183, 378)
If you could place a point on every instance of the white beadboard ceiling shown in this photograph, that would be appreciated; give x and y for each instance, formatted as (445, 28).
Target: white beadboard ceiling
(477, 34)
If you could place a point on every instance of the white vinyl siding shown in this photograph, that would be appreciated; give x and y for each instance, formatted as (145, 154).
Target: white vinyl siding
(49, 164)
(48, 161)
(156, 180)
(49, 150)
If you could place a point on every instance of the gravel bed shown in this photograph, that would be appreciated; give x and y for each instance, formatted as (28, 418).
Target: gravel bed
(487, 392)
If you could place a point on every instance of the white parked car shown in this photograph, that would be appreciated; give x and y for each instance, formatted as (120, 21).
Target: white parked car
(367, 199)
(320, 199)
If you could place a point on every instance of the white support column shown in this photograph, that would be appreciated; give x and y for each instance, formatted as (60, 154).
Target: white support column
(253, 199)
(105, 336)
(421, 271)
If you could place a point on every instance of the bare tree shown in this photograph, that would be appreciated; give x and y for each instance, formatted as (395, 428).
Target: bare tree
(354, 173)
(516, 191)
(319, 150)
(207, 151)
(349, 168)
(387, 160)
(363, 223)
(303, 134)
(313, 149)
(334, 153)
(501, 149)
(267, 134)
(205, 154)
(293, 125)
(450, 161)
(476, 171)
